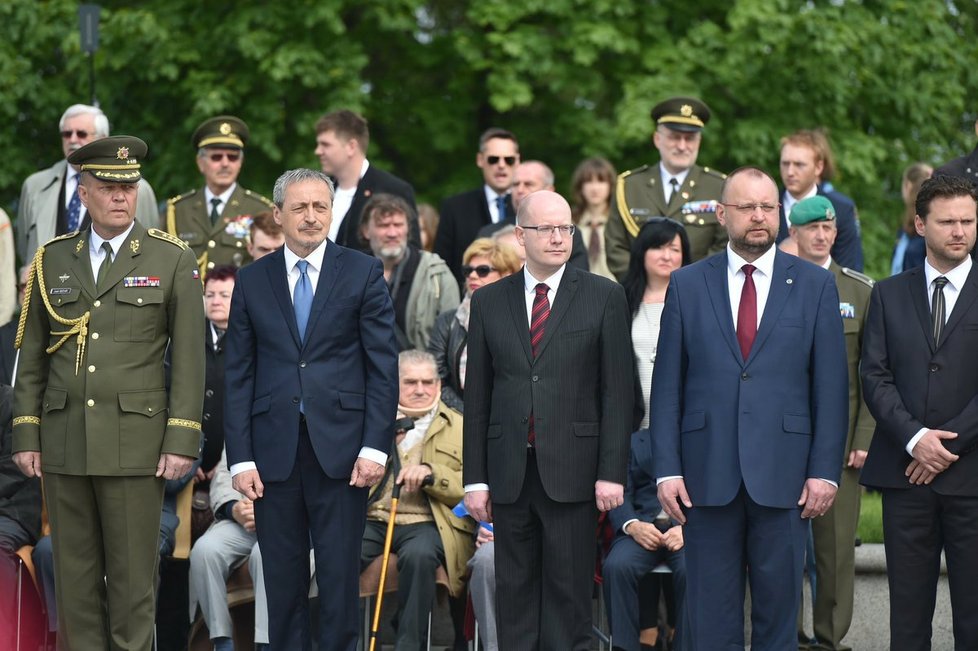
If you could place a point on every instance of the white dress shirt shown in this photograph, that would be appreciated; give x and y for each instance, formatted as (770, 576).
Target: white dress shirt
(224, 197)
(315, 260)
(342, 200)
(955, 281)
(96, 253)
(667, 176)
(491, 196)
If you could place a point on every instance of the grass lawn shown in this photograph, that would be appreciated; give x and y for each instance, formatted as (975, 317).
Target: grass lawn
(871, 518)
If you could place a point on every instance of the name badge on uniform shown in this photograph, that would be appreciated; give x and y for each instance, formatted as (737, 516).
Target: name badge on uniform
(699, 207)
(848, 310)
(56, 291)
(141, 281)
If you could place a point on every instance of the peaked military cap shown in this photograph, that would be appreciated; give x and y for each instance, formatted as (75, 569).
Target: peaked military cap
(681, 114)
(812, 209)
(115, 159)
(222, 131)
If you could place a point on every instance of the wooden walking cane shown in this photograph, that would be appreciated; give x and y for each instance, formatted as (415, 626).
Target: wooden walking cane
(395, 496)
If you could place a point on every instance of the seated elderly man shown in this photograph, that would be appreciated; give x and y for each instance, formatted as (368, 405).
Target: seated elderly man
(426, 532)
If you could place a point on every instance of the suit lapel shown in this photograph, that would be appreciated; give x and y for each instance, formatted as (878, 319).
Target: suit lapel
(917, 287)
(125, 258)
(82, 265)
(332, 265)
(966, 298)
(278, 279)
(655, 196)
(517, 306)
(565, 295)
(782, 281)
(715, 275)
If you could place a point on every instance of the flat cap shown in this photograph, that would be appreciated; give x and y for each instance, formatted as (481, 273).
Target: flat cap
(114, 159)
(221, 131)
(681, 114)
(812, 209)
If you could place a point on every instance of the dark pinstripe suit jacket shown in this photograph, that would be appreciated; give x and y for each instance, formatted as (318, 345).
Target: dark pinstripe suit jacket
(579, 388)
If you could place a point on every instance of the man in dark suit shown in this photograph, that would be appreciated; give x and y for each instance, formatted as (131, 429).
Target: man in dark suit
(644, 537)
(311, 393)
(748, 422)
(547, 419)
(462, 215)
(342, 138)
(920, 384)
(806, 165)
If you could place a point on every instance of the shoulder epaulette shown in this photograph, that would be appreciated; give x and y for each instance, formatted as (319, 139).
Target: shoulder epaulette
(181, 197)
(716, 173)
(67, 236)
(259, 197)
(163, 235)
(852, 273)
(641, 168)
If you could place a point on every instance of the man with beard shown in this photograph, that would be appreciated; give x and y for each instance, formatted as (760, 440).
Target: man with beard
(749, 415)
(421, 284)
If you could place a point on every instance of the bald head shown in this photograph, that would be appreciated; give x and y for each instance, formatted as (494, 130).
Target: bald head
(531, 176)
(546, 232)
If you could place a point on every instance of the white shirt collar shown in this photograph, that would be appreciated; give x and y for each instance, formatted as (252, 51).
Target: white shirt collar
(96, 240)
(224, 197)
(553, 282)
(789, 201)
(955, 277)
(764, 264)
(315, 259)
(666, 175)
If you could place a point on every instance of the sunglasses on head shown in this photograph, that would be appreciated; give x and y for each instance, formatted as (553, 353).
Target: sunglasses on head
(81, 133)
(232, 156)
(494, 160)
(481, 271)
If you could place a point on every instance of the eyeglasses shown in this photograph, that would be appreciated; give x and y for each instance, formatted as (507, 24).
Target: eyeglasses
(481, 271)
(547, 231)
(232, 156)
(81, 133)
(494, 160)
(749, 208)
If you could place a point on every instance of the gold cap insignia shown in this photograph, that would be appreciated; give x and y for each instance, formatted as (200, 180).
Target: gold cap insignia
(225, 129)
(686, 110)
(123, 153)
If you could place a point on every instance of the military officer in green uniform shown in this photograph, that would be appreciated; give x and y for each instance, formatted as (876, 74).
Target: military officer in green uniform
(91, 409)
(677, 187)
(813, 228)
(214, 220)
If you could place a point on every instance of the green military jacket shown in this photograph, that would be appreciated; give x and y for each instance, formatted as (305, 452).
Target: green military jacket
(90, 393)
(639, 195)
(215, 244)
(854, 290)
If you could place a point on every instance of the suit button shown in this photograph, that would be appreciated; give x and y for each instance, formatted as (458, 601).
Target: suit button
(238, 244)
(91, 369)
(302, 364)
(525, 420)
(97, 303)
(207, 416)
(536, 378)
(211, 244)
(934, 368)
(139, 300)
(209, 393)
(91, 403)
(94, 335)
(210, 265)
(744, 376)
(295, 400)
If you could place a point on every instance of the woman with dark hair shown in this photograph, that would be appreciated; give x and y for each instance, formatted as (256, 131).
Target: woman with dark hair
(909, 251)
(591, 187)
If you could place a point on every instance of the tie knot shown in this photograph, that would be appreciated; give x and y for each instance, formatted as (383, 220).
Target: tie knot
(939, 282)
(302, 266)
(108, 250)
(748, 269)
(542, 289)
(674, 182)
(216, 201)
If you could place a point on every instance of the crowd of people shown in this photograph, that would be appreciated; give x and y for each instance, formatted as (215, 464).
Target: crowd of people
(689, 363)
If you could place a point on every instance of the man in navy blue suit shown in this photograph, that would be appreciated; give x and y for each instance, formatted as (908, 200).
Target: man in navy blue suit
(311, 394)
(749, 416)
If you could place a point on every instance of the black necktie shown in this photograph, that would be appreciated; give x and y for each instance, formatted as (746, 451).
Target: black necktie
(103, 269)
(938, 308)
(215, 202)
(674, 184)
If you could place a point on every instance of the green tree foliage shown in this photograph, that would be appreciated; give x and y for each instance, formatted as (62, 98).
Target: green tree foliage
(889, 79)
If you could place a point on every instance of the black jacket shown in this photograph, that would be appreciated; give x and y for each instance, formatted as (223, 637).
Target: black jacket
(447, 342)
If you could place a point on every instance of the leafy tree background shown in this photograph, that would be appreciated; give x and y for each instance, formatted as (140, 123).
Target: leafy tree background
(893, 81)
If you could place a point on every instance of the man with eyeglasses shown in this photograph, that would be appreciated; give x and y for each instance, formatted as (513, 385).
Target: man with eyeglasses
(49, 205)
(749, 415)
(462, 215)
(215, 220)
(547, 428)
(806, 166)
(677, 187)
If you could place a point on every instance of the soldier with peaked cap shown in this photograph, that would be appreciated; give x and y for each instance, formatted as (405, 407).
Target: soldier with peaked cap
(91, 409)
(214, 220)
(813, 228)
(677, 187)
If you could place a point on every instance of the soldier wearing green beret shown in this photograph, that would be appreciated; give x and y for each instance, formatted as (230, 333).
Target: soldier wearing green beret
(813, 229)
(677, 187)
(91, 407)
(214, 220)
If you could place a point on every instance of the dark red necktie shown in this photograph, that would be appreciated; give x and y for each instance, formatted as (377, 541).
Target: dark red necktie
(538, 321)
(747, 312)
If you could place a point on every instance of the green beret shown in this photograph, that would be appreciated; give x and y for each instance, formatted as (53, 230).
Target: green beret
(681, 114)
(114, 159)
(222, 131)
(812, 209)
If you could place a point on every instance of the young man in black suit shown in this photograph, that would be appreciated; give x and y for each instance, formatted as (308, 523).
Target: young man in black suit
(920, 384)
(546, 433)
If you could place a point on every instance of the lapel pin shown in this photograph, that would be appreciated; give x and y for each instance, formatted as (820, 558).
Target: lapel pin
(64, 278)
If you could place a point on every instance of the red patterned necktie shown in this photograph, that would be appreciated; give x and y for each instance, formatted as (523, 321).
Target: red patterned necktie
(538, 321)
(747, 313)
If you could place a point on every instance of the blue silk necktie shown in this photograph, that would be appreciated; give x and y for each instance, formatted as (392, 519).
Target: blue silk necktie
(302, 298)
